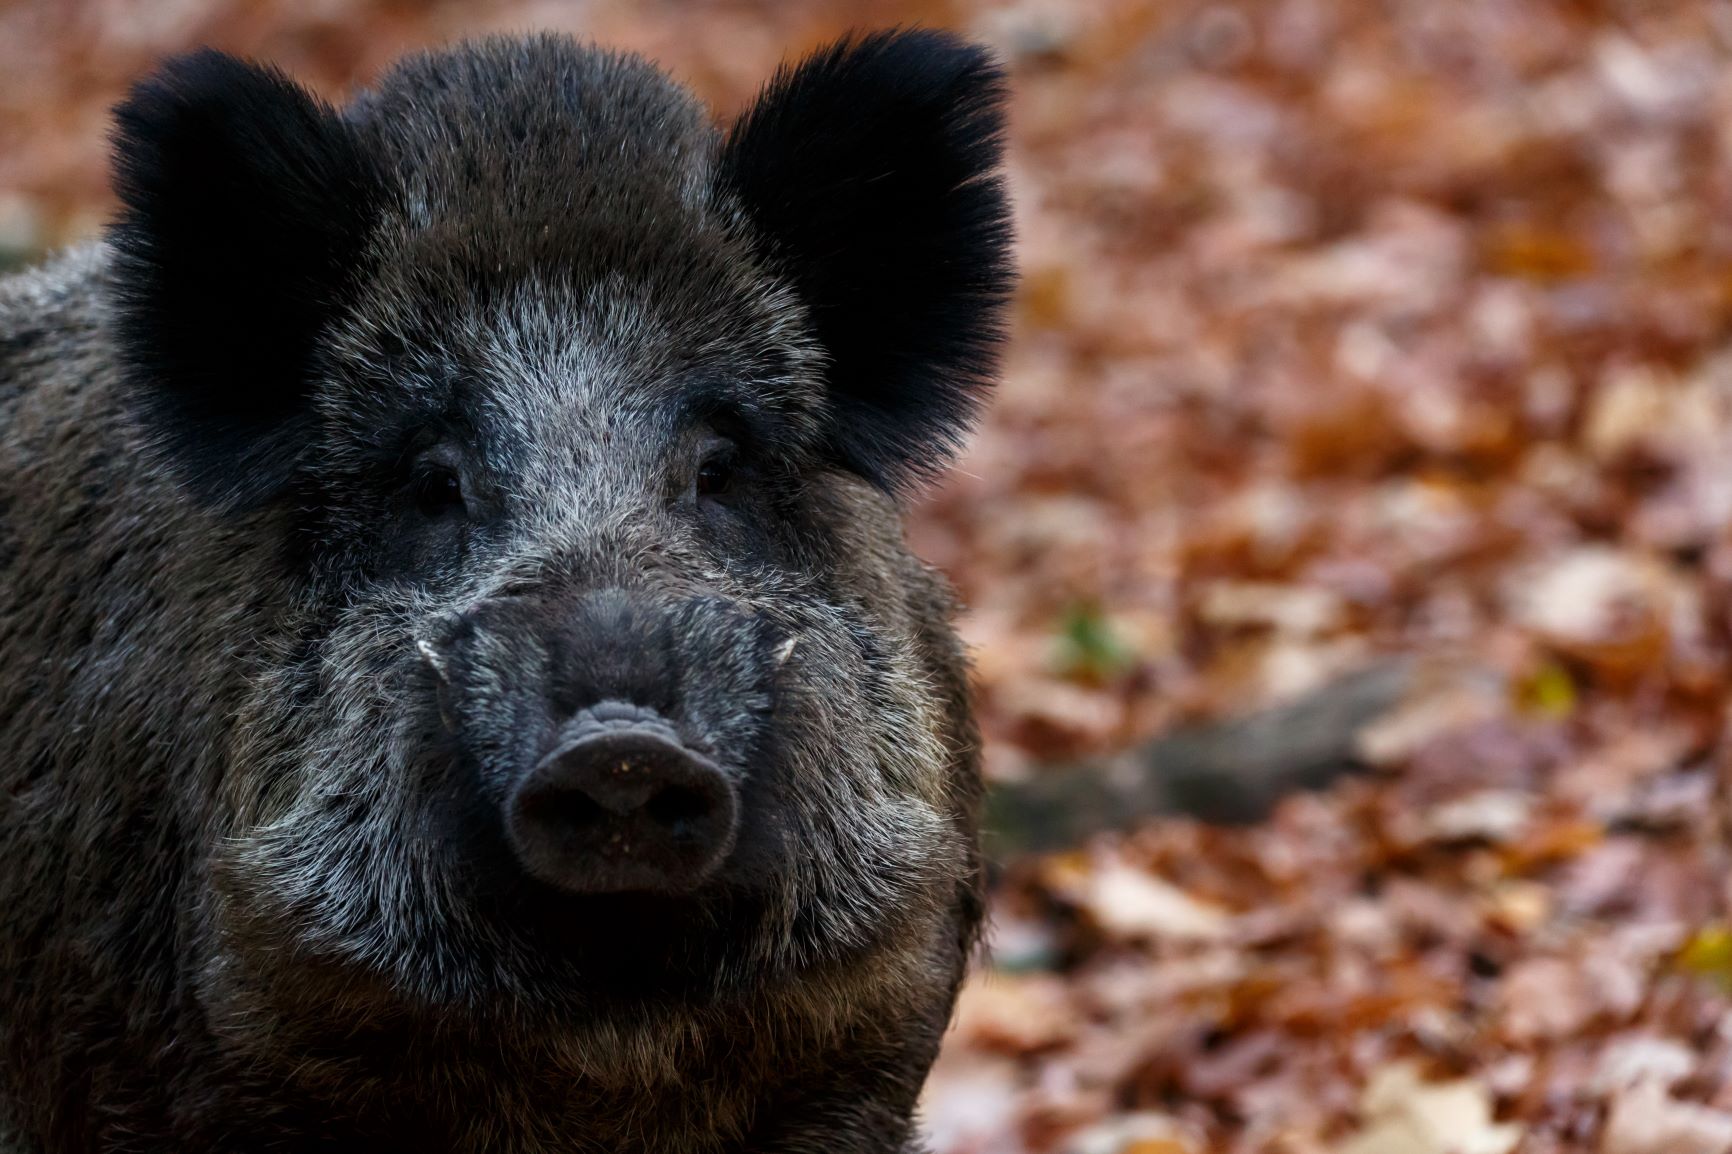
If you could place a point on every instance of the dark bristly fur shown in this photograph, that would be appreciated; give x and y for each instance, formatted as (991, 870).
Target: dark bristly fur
(377, 447)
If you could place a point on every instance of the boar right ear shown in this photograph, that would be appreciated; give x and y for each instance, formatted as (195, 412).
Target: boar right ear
(871, 174)
(245, 208)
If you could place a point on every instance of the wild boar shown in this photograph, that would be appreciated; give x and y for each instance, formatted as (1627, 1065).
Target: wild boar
(463, 685)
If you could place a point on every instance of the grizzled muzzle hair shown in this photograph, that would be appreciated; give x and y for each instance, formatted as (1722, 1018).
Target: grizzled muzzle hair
(610, 731)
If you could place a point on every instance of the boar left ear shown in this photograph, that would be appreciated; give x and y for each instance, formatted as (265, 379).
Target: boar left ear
(245, 206)
(871, 173)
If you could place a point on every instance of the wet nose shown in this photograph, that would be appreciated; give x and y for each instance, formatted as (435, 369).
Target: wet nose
(620, 804)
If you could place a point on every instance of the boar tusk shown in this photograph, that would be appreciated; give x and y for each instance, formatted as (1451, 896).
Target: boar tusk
(433, 658)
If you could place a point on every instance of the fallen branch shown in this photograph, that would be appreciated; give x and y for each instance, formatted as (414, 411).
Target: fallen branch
(1231, 771)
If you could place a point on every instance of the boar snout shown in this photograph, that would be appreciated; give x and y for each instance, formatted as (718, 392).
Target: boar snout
(607, 732)
(622, 804)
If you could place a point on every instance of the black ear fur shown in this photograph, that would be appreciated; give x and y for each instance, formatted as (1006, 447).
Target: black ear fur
(871, 170)
(245, 207)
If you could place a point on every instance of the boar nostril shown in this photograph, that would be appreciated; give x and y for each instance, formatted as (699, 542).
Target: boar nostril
(571, 808)
(678, 809)
(622, 804)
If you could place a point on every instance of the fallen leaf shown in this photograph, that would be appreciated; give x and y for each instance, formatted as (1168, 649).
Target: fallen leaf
(1130, 903)
(1645, 1119)
(1406, 1115)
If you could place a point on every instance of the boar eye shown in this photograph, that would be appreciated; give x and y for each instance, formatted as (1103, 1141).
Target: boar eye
(716, 475)
(437, 490)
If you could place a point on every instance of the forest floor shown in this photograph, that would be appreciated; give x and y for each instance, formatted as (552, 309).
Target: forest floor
(1348, 330)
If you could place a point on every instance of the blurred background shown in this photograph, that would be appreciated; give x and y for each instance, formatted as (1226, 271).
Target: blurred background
(1383, 338)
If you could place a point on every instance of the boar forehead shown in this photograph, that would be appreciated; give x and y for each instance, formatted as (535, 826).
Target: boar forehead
(518, 155)
(567, 388)
(533, 125)
(558, 266)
